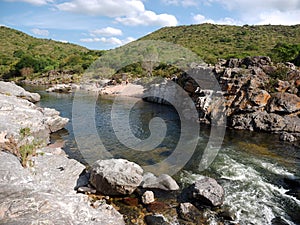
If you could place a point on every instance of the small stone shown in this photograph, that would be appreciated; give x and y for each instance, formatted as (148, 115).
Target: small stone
(86, 190)
(287, 137)
(148, 197)
(156, 220)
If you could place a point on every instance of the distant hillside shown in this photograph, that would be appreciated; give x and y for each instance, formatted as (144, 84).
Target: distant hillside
(24, 55)
(210, 41)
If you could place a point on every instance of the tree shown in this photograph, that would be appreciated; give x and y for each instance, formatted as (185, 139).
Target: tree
(150, 58)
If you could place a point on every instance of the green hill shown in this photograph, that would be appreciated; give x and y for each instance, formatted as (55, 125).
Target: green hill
(24, 55)
(211, 42)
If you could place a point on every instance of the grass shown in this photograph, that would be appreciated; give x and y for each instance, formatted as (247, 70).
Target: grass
(211, 41)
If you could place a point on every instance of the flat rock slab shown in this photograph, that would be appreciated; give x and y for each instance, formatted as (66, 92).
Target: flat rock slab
(45, 194)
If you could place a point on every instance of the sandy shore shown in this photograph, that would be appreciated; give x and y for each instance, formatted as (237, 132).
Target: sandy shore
(130, 90)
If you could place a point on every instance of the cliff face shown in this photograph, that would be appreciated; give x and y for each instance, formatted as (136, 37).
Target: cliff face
(252, 93)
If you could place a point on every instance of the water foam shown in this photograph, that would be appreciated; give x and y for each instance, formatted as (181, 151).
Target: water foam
(247, 193)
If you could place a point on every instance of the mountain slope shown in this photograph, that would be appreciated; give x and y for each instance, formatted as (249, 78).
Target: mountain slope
(212, 41)
(19, 50)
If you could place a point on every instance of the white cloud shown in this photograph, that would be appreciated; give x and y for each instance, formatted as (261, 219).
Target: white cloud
(261, 12)
(108, 31)
(112, 40)
(224, 21)
(279, 18)
(110, 8)
(149, 18)
(254, 5)
(40, 32)
(33, 2)
(185, 3)
(128, 12)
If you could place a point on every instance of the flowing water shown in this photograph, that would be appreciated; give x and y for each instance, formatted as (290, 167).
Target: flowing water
(259, 173)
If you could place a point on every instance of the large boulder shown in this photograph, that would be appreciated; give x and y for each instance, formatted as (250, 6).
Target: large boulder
(208, 191)
(116, 176)
(11, 89)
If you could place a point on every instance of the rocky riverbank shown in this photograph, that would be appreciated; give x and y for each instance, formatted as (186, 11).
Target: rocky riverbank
(39, 184)
(252, 93)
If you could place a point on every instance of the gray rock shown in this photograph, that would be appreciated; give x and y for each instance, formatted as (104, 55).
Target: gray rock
(16, 113)
(163, 182)
(284, 103)
(61, 88)
(44, 194)
(11, 89)
(116, 176)
(189, 212)
(208, 191)
(148, 197)
(287, 137)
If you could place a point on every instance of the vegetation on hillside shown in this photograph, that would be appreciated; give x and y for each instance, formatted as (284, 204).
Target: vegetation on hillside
(24, 56)
(212, 42)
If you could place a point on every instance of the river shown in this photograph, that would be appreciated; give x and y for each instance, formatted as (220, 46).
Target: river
(259, 173)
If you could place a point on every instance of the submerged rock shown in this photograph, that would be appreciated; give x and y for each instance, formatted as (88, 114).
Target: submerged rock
(116, 176)
(190, 213)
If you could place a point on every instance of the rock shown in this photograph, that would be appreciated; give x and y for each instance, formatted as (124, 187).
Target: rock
(37, 195)
(260, 98)
(189, 212)
(53, 120)
(148, 197)
(287, 137)
(156, 220)
(284, 103)
(11, 89)
(61, 88)
(116, 176)
(282, 86)
(16, 114)
(208, 191)
(163, 182)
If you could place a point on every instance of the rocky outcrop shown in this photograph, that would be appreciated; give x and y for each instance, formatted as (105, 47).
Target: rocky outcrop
(37, 195)
(16, 113)
(44, 192)
(10, 89)
(116, 176)
(252, 93)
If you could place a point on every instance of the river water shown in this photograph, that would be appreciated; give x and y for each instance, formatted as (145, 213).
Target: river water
(259, 173)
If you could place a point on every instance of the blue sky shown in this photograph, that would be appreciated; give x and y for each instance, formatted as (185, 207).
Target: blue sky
(106, 24)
